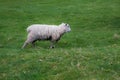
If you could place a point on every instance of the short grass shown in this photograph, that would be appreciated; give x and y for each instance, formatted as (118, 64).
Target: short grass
(91, 51)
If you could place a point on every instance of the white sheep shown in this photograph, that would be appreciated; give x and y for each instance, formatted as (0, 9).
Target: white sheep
(46, 32)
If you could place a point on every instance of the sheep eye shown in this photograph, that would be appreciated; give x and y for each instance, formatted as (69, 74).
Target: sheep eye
(66, 24)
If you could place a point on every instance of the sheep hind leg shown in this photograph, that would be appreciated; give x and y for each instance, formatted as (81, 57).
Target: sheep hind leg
(24, 45)
(33, 43)
(27, 42)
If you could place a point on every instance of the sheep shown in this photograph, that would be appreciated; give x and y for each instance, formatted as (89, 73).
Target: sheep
(52, 33)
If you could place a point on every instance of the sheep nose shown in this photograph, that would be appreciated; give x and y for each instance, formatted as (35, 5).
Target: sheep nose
(69, 30)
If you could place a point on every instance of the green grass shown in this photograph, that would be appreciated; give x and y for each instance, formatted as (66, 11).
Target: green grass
(89, 52)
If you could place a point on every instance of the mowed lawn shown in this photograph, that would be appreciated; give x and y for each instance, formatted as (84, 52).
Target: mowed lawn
(91, 51)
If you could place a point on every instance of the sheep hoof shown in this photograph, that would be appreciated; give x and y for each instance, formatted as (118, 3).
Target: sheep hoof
(51, 47)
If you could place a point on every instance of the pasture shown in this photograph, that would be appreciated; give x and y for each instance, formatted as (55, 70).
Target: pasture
(91, 51)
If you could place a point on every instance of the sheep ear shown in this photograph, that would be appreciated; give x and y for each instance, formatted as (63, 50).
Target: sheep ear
(64, 24)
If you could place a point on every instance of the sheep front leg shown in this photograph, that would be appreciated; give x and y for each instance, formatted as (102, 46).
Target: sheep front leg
(52, 44)
(54, 40)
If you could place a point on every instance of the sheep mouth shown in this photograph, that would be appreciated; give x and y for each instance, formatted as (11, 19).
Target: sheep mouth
(69, 31)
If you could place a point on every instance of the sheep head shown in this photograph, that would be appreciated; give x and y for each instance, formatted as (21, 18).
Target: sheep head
(66, 27)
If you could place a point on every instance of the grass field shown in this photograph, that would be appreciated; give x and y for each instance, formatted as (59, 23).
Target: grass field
(91, 51)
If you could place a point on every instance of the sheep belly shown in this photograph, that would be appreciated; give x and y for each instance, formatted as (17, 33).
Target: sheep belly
(44, 38)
